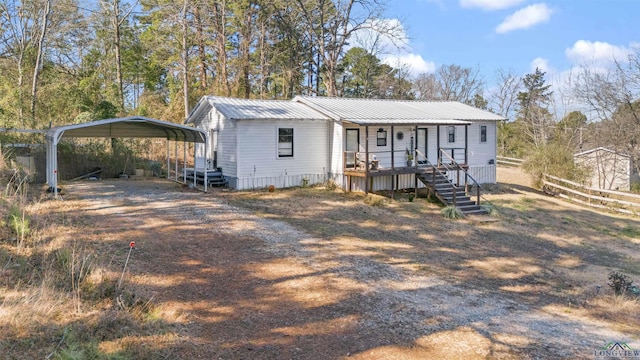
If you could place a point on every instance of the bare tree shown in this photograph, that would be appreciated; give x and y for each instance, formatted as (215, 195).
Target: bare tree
(38, 65)
(613, 97)
(504, 98)
(328, 25)
(117, 18)
(450, 83)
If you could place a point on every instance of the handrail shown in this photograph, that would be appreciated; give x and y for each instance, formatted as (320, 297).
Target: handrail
(466, 175)
(444, 176)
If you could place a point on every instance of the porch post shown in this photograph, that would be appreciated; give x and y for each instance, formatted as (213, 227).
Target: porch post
(466, 144)
(366, 159)
(415, 151)
(438, 146)
(392, 155)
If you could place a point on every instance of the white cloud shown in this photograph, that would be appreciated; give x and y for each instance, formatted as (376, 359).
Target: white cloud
(416, 63)
(489, 4)
(542, 64)
(525, 18)
(598, 53)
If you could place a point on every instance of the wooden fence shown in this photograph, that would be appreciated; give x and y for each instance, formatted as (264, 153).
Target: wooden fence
(622, 202)
(509, 161)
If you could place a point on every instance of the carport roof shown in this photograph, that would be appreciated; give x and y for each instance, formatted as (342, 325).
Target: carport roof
(133, 126)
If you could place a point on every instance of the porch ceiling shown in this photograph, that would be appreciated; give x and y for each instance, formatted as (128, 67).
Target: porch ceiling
(365, 122)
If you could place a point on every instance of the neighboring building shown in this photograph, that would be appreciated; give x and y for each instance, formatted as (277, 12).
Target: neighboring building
(361, 144)
(608, 169)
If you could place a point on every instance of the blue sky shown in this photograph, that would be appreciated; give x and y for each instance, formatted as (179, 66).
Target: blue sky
(517, 35)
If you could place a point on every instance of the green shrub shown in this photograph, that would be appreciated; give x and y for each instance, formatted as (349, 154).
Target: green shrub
(619, 282)
(452, 212)
(490, 209)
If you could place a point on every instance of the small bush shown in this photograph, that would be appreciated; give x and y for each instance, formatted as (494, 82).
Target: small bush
(619, 282)
(452, 212)
(19, 223)
(375, 200)
(490, 209)
(330, 185)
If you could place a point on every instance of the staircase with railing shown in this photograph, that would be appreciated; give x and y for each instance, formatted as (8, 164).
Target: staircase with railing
(440, 182)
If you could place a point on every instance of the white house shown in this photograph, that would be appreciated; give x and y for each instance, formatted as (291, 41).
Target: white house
(361, 144)
(607, 169)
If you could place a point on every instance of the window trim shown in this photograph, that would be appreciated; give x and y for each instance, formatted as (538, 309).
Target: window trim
(278, 142)
(483, 133)
(381, 137)
(451, 134)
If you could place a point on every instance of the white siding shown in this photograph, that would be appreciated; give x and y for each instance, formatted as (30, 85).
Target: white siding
(609, 170)
(226, 142)
(258, 161)
(482, 153)
(337, 145)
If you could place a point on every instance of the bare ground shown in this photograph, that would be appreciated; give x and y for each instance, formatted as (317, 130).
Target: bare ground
(318, 274)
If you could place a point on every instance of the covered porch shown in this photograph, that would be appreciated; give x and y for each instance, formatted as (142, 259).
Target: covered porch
(391, 149)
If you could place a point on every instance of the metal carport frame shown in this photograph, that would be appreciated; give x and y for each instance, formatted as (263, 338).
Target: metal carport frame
(128, 127)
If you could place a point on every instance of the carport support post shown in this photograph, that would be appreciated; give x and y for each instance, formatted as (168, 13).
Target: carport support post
(176, 148)
(184, 163)
(195, 164)
(168, 160)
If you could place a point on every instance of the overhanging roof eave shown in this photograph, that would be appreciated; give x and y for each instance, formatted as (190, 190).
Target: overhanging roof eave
(140, 127)
(406, 122)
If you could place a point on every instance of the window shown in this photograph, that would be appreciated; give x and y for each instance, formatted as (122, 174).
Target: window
(483, 134)
(381, 136)
(285, 142)
(452, 134)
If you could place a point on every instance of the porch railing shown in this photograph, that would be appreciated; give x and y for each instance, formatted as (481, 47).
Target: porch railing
(388, 159)
(452, 166)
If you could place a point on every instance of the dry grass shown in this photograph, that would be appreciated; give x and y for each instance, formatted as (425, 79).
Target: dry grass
(194, 290)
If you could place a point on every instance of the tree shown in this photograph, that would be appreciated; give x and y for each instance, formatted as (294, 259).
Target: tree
(570, 129)
(359, 70)
(504, 98)
(613, 97)
(327, 26)
(534, 118)
(450, 83)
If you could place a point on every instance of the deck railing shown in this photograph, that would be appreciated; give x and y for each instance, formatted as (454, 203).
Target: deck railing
(453, 165)
(388, 159)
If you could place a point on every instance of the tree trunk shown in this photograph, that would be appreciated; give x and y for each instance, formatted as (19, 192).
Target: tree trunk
(116, 43)
(185, 60)
(201, 49)
(38, 65)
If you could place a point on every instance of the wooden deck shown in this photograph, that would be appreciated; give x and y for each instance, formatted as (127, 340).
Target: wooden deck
(421, 169)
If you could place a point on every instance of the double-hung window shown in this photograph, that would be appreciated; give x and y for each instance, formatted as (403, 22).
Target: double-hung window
(452, 134)
(285, 142)
(483, 134)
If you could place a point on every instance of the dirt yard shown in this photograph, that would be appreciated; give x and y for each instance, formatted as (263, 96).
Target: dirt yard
(319, 274)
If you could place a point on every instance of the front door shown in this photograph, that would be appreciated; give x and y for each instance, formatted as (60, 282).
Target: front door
(421, 145)
(352, 146)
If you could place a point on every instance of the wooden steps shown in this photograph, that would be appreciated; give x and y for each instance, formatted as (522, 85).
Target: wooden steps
(215, 178)
(444, 190)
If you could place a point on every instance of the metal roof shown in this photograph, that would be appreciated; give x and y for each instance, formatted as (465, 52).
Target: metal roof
(601, 148)
(373, 111)
(250, 109)
(134, 126)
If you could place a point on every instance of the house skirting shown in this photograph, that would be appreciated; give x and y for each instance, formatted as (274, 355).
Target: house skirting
(485, 174)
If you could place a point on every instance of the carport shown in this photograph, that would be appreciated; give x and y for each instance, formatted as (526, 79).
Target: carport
(128, 127)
